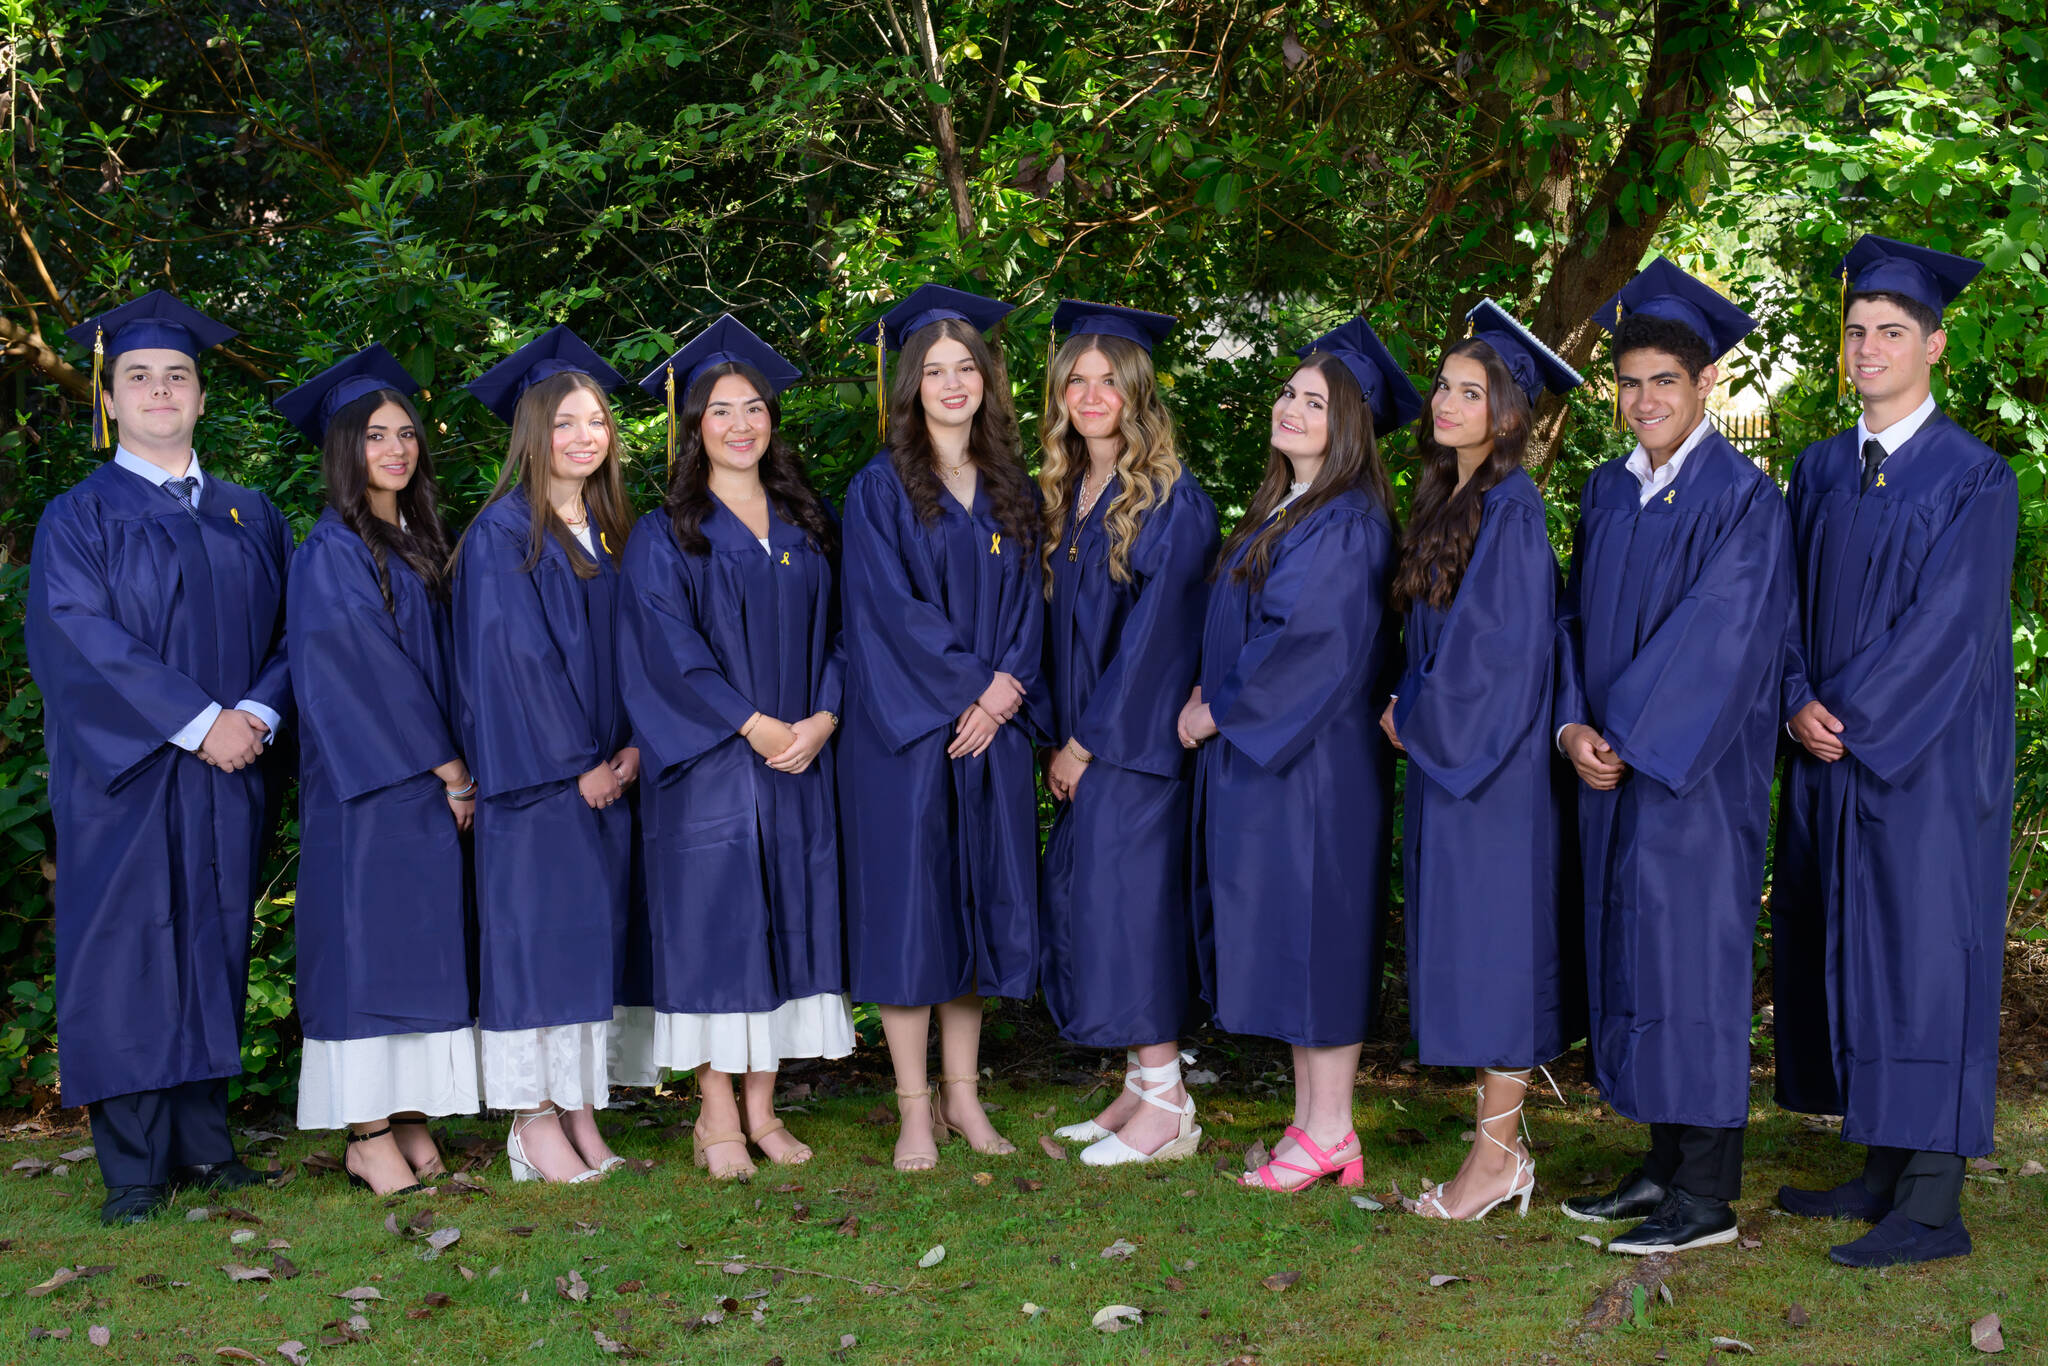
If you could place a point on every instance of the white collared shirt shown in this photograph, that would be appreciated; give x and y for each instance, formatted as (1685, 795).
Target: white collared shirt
(1654, 481)
(192, 734)
(1899, 433)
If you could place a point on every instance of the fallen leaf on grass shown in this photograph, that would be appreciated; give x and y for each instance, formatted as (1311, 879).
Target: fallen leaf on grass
(1440, 1280)
(30, 1166)
(62, 1276)
(467, 1274)
(605, 1344)
(1025, 1185)
(1200, 1077)
(75, 1155)
(521, 1230)
(1122, 1247)
(1589, 1238)
(2032, 1168)
(242, 1235)
(361, 1292)
(282, 1266)
(99, 1335)
(849, 1227)
(625, 1287)
(1735, 1345)
(1979, 1164)
(1030, 1310)
(439, 1241)
(1052, 1149)
(419, 1312)
(437, 1299)
(1796, 1316)
(60, 1334)
(319, 1164)
(1111, 1318)
(984, 1178)
(932, 1258)
(573, 1287)
(1367, 1203)
(1280, 1280)
(237, 1272)
(735, 1268)
(1985, 1334)
(236, 1354)
(1749, 1244)
(294, 1352)
(276, 1245)
(1256, 1156)
(787, 1188)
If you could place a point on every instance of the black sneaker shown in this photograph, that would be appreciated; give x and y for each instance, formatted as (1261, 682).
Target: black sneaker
(1637, 1197)
(1897, 1240)
(1850, 1200)
(132, 1204)
(231, 1175)
(1682, 1222)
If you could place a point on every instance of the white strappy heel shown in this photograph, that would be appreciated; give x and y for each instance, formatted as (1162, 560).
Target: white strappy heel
(1112, 1151)
(1088, 1131)
(515, 1151)
(1430, 1203)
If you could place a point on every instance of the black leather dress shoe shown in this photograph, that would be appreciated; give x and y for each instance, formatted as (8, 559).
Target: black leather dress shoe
(1637, 1197)
(231, 1175)
(1850, 1200)
(132, 1204)
(1683, 1221)
(1897, 1240)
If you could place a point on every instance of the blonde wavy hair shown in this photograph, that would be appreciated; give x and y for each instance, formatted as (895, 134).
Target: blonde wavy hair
(1145, 469)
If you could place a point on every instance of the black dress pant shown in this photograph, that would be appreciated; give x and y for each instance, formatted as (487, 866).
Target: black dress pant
(1925, 1187)
(139, 1137)
(1702, 1162)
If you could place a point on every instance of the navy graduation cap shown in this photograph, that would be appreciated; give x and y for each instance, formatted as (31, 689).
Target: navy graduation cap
(156, 320)
(727, 339)
(1078, 317)
(1921, 274)
(1535, 366)
(551, 353)
(312, 405)
(1388, 394)
(923, 306)
(1662, 290)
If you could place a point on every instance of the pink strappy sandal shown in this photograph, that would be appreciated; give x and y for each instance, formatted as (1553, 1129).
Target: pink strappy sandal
(1352, 1173)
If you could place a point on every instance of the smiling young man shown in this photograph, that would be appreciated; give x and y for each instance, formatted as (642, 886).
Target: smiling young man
(155, 632)
(1888, 907)
(1672, 627)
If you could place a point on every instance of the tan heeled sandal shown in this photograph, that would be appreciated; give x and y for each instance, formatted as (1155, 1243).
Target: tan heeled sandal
(1006, 1147)
(702, 1141)
(797, 1158)
(918, 1162)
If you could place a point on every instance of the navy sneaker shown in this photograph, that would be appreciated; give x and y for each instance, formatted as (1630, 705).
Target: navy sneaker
(132, 1204)
(1898, 1240)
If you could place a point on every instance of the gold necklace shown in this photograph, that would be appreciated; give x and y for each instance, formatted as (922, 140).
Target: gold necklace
(1085, 506)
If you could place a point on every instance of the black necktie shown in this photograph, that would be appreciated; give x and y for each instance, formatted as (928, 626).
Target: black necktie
(186, 491)
(1873, 456)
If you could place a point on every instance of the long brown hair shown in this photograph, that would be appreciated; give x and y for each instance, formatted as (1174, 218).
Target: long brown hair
(421, 538)
(527, 462)
(789, 490)
(1146, 467)
(993, 442)
(1443, 519)
(1353, 461)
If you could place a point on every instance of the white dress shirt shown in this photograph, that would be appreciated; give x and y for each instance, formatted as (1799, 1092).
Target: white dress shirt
(193, 733)
(1899, 433)
(1653, 482)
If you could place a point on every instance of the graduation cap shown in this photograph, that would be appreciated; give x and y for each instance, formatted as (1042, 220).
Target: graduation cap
(1662, 290)
(1388, 394)
(312, 405)
(727, 339)
(555, 351)
(1079, 318)
(1921, 274)
(156, 320)
(923, 306)
(1535, 366)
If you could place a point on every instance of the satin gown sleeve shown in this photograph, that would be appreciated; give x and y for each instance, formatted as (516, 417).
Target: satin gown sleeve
(1795, 688)
(124, 701)
(907, 659)
(1680, 702)
(273, 685)
(1464, 707)
(676, 691)
(1568, 699)
(1897, 694)
(529, 729)
(375, 716)
(1307, 658)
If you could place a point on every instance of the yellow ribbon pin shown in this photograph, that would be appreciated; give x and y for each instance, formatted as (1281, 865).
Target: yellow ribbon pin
(1671, 495)
(236, 513)
(785, 557)
(995, 543)
(1880, 479)
(603, 542)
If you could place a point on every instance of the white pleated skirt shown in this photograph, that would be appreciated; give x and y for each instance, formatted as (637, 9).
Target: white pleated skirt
(569, 1065)
(760, 1041)
(355, 1081)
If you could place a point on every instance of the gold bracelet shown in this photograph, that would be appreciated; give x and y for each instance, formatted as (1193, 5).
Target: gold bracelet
(1080, 755)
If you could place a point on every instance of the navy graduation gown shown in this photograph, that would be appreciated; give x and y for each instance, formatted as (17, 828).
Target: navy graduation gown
(1121, 657)
(1672, 628)
(742, 861)
(383, 898)
(941, 854)
(559, 930)
(141, 613)
(1294, 796)
(1494, 974)
(1888, 905)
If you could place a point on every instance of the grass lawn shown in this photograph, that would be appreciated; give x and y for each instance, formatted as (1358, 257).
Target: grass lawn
(675, 1268)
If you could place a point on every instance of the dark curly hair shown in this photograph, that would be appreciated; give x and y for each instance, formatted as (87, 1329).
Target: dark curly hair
(782, 470)
(1642, 332)
(422, 542)
(1443, 519)
(993, 443)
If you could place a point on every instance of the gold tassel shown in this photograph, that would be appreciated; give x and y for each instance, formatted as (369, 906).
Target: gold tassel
(881, 384)
(100, 440)
(671, 387)
(1045, 413)
(1616, 367)
(1842, 336)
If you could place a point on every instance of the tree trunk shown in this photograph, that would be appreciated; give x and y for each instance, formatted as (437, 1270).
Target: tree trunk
(945, 136)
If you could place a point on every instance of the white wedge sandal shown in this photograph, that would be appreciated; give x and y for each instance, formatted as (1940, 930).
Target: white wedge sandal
(1088, 1131)
(1112, 1151)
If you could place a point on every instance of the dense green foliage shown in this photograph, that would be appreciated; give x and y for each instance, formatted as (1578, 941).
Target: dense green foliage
(447, 180)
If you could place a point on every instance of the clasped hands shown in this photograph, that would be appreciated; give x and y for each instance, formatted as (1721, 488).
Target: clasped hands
(235, 740)
(976, 728)
(608, 782)
(788, 746)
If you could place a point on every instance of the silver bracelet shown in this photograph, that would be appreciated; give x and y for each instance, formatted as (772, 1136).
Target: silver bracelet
(462, 794)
